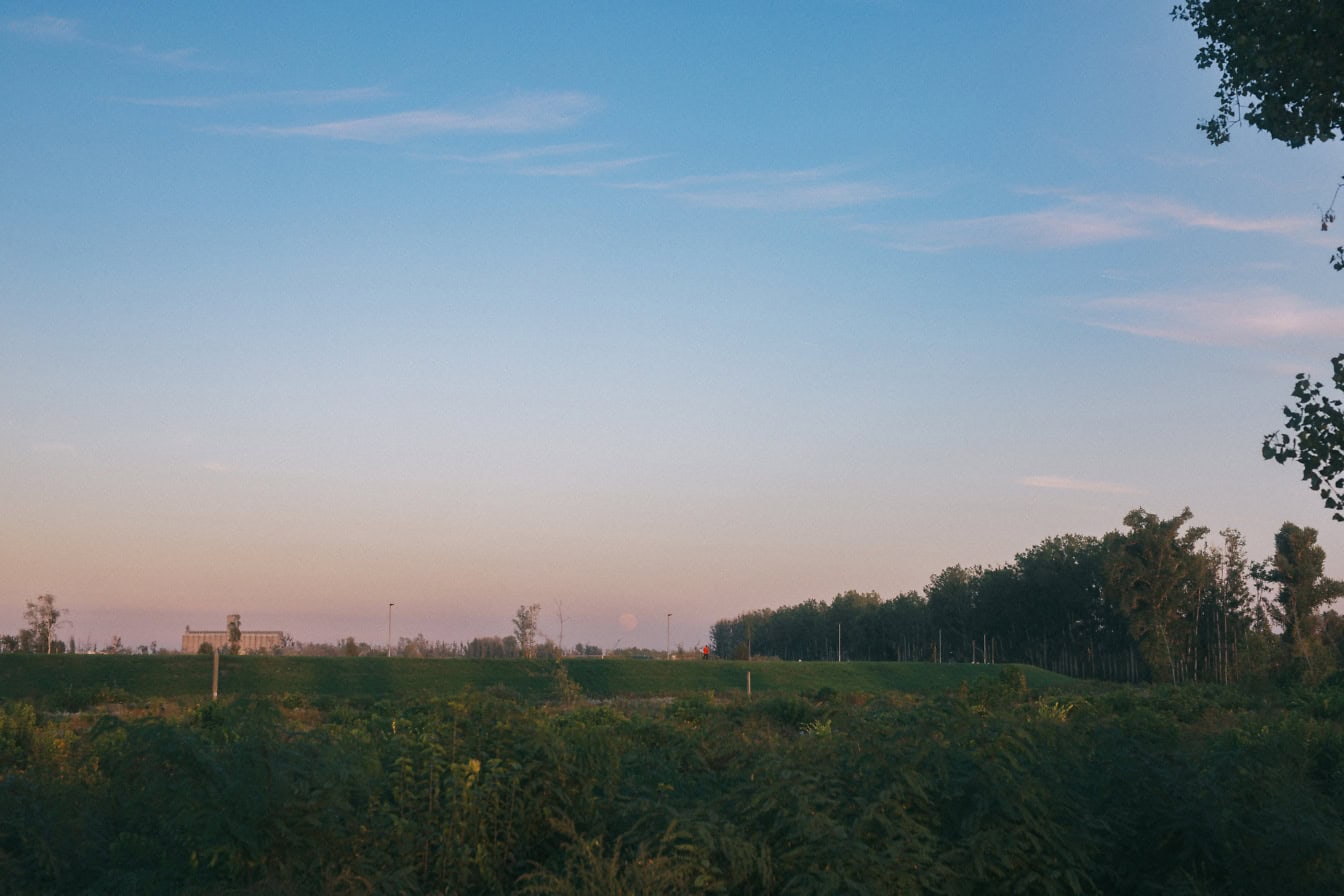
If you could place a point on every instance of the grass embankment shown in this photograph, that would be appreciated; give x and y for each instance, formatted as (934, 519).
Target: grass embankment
(76, 679)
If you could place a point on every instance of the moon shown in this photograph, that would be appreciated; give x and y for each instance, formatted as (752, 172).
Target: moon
(628, 621)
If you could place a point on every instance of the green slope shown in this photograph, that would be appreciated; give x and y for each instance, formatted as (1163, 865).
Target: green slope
(76, 679)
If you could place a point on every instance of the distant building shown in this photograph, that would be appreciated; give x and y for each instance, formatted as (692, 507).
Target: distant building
(247, 642)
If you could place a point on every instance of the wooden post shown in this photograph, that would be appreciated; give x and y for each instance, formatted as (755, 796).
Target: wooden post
(748, 685)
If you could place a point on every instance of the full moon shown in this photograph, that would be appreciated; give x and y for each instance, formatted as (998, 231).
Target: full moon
(628, 621)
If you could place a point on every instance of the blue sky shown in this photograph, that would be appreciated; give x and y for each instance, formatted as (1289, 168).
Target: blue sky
(623, 309)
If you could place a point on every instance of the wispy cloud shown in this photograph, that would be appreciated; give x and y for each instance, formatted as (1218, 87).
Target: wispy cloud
(1057, 228)
(45, 28)
(52, 29)
(731, 178)
(273, 97)
(561, 160)
(1178, 160)
(1072, 220)
(216, 467)
(1159, 211)
(587, 168)
(525, 113)
(842, 194)
(1238, 317)
(525, 154)
(183, 58)
(787, 190)
(1068, 483)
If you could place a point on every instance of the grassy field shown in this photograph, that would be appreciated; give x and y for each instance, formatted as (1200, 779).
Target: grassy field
(76, 679)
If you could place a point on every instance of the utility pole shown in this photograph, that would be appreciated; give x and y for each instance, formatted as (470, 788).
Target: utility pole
(668, 651)
(389, 629)
(837, 642)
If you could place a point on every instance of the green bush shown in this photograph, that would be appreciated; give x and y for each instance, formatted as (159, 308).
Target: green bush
(1193, 790)
(18, 726)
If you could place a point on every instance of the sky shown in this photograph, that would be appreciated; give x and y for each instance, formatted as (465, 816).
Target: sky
(623, 309)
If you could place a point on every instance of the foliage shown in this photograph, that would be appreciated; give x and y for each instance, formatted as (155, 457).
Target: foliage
(1156, 574)
(1280, 66)
(525, 623)
(42, 616)
(1315, 437)
(1281, 71)
(1123, 790)
(1299, 571)
(235, 628)
(951, 598)
(1159, 599)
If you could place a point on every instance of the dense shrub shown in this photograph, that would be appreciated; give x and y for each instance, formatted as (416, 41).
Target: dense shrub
(1183, 790)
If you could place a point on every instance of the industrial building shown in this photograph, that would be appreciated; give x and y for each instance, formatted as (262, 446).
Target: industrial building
(246, 642)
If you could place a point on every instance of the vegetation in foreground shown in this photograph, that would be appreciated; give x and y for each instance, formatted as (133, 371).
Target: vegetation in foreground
(988, 788)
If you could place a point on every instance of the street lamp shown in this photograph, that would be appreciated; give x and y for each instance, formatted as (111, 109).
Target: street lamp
(668, 651)
(389, 629)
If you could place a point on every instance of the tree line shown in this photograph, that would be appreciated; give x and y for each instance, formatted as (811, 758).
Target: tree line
(1155, 600)
(42, 617)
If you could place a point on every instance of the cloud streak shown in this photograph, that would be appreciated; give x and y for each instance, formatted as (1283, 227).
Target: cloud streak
(1073, 220)
(46, 28)
(587, 168)
(274, 97)
(525, 113)
(504, 157)
(1229, 318)
(815, 189)
(52, 29)
(565, 160)
(1068, 483)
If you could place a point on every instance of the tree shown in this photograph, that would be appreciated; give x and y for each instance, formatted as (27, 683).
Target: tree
(1233, 613)
(1154, 575)
(42, 616)
(951, 600)
(1298, 568)
(1282, 69)
(855, 612)
(1315, 437)
(525, 628)
(1048, 609)
(901, 626)
(235, 634)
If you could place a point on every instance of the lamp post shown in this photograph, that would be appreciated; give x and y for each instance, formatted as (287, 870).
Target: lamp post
(389, 629)
(668, 650)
